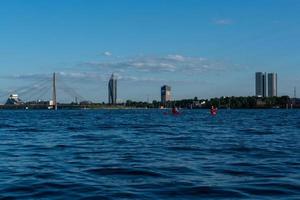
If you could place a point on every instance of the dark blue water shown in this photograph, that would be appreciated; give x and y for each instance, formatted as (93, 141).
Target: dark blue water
(143, 154)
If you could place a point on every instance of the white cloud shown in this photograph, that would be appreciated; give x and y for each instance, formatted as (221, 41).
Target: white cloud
(165, 64)
(140, 68)
(176, 57)
(138, 79)
(107, 53)
(223, 21)
(29, 76)
(83, 77)
(64, 75)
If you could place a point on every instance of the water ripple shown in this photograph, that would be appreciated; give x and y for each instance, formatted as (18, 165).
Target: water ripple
(144, 154)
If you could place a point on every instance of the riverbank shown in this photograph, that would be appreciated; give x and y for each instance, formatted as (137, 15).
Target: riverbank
(115, 107)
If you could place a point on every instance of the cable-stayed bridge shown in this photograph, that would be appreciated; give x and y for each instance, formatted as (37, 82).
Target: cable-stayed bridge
(48, 91)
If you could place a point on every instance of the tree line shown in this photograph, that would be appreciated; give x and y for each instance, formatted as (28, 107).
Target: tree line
(222, 102)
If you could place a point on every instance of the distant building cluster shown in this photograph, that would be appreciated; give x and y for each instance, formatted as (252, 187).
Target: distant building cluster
(112, 95)
(112, 92)
(266, 84)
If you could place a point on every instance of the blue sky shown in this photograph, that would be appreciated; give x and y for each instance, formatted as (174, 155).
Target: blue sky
(201, 48)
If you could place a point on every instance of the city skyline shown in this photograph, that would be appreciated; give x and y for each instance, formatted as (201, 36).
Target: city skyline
(265, 86)
(216, 48)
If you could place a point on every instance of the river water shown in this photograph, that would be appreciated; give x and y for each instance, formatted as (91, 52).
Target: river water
(145, 154)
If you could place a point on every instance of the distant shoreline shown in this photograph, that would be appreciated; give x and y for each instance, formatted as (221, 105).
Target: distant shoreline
(120, 107)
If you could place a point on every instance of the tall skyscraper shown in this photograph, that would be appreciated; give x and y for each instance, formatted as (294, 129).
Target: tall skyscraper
(272, 84)
(165, 94)
(112, 90)
(261, 84)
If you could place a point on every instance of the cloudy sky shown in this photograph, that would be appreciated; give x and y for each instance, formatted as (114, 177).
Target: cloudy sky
(201, 48)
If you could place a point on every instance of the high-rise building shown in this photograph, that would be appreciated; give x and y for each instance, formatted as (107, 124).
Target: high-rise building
(272, 84)
(261, 84)
(165, 94)
(112, 90)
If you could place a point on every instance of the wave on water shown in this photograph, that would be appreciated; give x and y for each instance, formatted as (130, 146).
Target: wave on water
(144, 154)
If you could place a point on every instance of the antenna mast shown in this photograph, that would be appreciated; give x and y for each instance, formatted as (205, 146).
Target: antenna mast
(295, 96)
(54, 92)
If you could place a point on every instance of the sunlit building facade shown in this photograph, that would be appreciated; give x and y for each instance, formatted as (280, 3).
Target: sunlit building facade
(272, 84)
(165, 94)
(261, 84)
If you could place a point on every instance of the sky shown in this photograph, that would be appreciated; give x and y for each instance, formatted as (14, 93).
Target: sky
(203, 48)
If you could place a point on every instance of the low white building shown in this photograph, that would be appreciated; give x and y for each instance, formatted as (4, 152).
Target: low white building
(14, 99)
